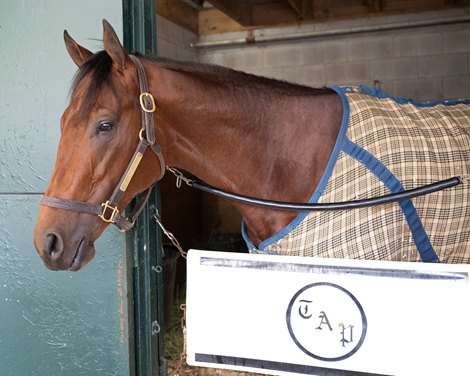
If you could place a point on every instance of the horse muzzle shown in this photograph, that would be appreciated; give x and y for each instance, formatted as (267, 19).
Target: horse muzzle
(60, 255)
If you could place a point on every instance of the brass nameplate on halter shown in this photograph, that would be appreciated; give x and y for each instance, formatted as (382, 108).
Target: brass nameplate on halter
(143, 105)
(131, 171)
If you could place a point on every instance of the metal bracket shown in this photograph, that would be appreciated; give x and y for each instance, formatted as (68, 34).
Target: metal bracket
(180, 177)
(114, 212)
(147, 99)
(155, 328)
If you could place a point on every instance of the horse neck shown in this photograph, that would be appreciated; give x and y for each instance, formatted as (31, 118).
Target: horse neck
(247, 139)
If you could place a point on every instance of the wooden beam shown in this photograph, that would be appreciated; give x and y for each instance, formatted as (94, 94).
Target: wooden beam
(303, 8)
(265, 13)
(244, 10)
(296, 5)
(375, 5)
(240, 11)
(214, 21)
(180, 13)
(329, 10)
(198, 4)
(253, 13)
(274, 14)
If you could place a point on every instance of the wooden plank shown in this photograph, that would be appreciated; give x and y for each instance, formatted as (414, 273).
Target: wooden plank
(375, 5)
(253, 13)
(180, 13)
(303, 8)
(213, 21)
(245, 13)
(407, 6)
(331, 9)
(239, 11)
(276, 13)
(296, 5)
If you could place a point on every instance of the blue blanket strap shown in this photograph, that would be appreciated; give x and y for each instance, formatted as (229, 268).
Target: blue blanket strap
(420, 237)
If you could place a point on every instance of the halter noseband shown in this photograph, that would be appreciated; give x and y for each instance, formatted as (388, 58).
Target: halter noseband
(108, 211)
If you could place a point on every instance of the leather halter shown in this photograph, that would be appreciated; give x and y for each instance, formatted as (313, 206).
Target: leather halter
(108, 211)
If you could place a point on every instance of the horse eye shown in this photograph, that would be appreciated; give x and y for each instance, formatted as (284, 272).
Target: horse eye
(105, 126)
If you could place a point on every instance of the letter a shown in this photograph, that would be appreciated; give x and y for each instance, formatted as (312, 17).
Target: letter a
(324, 321)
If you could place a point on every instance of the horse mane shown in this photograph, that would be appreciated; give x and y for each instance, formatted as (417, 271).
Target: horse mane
(224, 76)
(100, 67)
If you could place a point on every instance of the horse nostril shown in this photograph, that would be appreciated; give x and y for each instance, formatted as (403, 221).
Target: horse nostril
(53, 246)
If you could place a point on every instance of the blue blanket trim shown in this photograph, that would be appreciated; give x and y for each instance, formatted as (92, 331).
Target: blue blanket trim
(318, 190)
(422, 241)
(372, 91)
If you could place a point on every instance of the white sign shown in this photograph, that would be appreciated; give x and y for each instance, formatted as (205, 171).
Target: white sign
(284, 315)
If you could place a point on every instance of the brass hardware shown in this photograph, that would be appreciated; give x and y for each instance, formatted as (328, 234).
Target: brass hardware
(142, 104)
(114, 211)
(130, 173)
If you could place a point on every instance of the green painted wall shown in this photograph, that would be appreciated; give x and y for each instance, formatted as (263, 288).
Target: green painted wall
(59, 323)
(51, 323)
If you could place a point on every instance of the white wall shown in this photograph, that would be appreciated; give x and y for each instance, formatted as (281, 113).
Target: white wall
(174, 42)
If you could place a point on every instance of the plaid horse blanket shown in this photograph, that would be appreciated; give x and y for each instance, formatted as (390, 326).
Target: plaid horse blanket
(388, 144)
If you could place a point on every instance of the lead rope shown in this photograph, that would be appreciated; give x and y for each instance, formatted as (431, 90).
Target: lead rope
(315, 206)
(183, 254)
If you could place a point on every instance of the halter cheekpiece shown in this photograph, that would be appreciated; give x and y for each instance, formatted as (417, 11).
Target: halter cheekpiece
(108, 211)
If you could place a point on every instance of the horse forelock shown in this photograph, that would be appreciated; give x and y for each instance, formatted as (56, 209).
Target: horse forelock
(97, 69)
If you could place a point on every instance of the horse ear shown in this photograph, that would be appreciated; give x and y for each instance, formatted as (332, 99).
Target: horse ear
(78, 53)
(113, 46)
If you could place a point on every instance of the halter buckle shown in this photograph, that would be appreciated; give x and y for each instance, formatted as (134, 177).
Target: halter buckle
(147, 99)
(109, 209)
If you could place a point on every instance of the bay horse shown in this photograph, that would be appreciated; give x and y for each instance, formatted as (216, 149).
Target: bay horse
(131, 116)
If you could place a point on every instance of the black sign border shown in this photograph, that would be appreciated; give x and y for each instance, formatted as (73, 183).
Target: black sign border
(359, 306)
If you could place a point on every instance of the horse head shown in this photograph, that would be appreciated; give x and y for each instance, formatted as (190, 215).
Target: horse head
(100, 154)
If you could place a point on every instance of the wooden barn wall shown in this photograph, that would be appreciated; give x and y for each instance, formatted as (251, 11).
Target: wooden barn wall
(427, 63)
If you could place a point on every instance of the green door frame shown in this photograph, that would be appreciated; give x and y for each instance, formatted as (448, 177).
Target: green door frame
(145, 260)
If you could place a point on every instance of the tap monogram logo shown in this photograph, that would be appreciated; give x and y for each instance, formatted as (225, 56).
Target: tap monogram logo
(326, 321)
